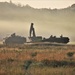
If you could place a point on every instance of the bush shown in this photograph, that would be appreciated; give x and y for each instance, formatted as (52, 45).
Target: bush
(10, 60)
(27, 64)
(50, 63)
(34, 54)
(55, 63)
(70, 54)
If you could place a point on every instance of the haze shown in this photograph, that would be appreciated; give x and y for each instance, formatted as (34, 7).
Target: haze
(14, 18)
(44, 3)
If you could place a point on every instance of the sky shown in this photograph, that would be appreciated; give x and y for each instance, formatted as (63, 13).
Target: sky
(44, 3)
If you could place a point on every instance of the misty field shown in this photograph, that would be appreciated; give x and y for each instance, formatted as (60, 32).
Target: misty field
(37, 60)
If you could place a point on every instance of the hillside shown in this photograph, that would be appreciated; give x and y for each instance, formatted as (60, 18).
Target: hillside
(11, 11)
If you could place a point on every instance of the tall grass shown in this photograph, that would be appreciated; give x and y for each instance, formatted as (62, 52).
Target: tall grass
(40, 60)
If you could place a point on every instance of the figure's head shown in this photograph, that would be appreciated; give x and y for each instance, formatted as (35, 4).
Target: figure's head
(32, 25)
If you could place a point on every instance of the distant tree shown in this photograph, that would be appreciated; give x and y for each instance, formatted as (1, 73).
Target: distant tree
(73, 6)
(11, 1)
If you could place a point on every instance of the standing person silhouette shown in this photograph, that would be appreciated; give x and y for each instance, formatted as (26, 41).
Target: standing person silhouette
(32, 30)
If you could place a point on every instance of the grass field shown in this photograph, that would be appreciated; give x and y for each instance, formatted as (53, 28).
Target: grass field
(37, 60)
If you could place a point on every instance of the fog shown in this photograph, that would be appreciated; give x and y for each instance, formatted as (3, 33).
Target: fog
(42, 28)
(17, 19)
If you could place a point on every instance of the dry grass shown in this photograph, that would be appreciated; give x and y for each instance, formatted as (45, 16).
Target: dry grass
(12, 60)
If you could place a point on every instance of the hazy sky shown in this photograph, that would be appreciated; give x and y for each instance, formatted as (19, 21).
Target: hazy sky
(44, 3)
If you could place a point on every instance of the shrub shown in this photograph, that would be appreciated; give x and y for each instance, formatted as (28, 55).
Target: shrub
(27, 64)
(10, 60)
(34, 54)
(70, 54)
(55, 63)
(50, 63)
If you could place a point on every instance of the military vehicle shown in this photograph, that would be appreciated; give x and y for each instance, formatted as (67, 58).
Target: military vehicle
(54, 39)
(51, 39)
(14, 39)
